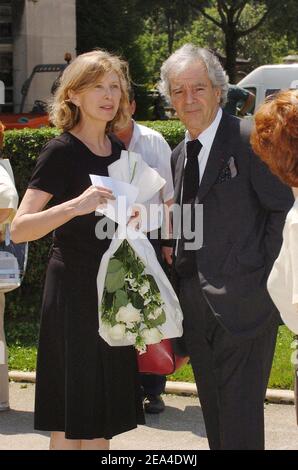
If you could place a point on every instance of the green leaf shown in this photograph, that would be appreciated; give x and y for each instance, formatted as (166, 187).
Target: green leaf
(137, 300)
(160, 320)
(108, 301)
(153, 285)
(114, 265)
(121, 299)
(115, 280)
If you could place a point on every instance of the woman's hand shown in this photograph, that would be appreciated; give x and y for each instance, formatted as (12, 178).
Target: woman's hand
(32, 222)
(135, 218)
(90, 199)
(4, 214)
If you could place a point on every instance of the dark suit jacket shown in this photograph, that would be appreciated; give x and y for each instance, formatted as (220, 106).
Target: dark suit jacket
(243, 219)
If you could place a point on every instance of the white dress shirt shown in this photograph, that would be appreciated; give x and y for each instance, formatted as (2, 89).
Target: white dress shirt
(156, 152)
(206, 138)
(283, 280)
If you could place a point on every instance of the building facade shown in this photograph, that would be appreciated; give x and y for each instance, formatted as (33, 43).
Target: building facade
(33, 32)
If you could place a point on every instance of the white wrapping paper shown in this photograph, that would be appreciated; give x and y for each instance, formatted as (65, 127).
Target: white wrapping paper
(131, 168)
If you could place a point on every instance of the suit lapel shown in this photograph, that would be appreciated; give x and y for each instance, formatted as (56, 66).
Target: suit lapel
(219, 155)
(179, 174)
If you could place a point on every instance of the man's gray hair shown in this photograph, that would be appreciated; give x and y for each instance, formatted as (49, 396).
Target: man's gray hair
(185, 56)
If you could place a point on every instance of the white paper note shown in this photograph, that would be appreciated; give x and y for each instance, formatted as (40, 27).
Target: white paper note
(125, 194)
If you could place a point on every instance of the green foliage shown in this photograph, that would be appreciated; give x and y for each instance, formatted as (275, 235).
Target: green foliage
(21, 331)
(22, 358)
(121, 299)
(115, 280)
(113, 26)
(270, 44)
(185, 374)
(22, 148)
(282, 373)
(172, 130)
(145, 33)
(114, 266)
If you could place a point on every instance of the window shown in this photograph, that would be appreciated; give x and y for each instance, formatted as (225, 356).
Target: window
(5, 31)
(271, 91)
(254, 91)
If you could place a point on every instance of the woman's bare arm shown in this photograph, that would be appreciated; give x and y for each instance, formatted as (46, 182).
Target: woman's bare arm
(32, 222)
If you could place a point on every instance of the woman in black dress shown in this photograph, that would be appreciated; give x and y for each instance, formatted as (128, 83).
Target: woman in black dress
(86, 391)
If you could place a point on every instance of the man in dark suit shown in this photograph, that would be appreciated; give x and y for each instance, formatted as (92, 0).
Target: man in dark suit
(230, 322)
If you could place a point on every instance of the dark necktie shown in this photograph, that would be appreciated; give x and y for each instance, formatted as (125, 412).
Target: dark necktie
(185, 263)
(191, 177)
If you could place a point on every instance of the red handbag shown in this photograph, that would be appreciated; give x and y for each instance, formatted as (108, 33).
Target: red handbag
(160, 359)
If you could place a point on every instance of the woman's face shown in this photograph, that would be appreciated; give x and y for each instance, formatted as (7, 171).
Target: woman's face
(101, 101)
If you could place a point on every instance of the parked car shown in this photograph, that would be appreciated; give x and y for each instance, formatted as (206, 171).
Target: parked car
(268, 79)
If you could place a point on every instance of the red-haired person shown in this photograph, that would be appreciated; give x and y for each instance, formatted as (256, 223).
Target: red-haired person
(275, 140)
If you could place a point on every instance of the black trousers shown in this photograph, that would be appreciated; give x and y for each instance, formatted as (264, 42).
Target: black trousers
(231, 373)
(153, 384)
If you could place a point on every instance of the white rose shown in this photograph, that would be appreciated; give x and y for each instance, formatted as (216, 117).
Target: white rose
(151, 335)
(117, 332)
(145, 288)
(128, 314)
(131, 336)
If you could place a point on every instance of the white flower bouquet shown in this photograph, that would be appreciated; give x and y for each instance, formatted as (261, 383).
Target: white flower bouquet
(131, 306)
(137, 303)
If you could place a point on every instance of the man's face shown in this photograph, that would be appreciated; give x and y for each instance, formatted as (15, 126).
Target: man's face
(194, 98)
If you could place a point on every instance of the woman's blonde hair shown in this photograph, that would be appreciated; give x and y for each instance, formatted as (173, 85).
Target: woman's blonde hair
(83, 73)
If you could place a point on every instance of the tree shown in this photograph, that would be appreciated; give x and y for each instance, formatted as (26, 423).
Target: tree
(169, 16)
(229, 15)
(114, 26)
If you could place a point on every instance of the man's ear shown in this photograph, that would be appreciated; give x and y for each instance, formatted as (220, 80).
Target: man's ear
(133, 107)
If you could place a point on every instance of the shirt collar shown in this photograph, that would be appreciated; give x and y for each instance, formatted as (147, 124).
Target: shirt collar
(207, 136)
(135, 136)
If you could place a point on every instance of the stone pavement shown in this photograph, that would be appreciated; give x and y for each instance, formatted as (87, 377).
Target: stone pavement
(180, 427)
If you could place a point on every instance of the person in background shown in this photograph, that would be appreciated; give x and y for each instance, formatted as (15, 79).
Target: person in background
(157, 154)
(239, 97)
(275, 140)
(239, 101)
(8, 207)
(86, 391)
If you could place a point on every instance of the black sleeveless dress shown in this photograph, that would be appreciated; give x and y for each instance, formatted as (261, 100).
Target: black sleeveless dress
(84, 387)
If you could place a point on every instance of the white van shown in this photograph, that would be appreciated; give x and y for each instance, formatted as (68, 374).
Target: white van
(268, 79)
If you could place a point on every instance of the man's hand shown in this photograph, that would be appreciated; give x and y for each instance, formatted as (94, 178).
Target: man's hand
(167, 254)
